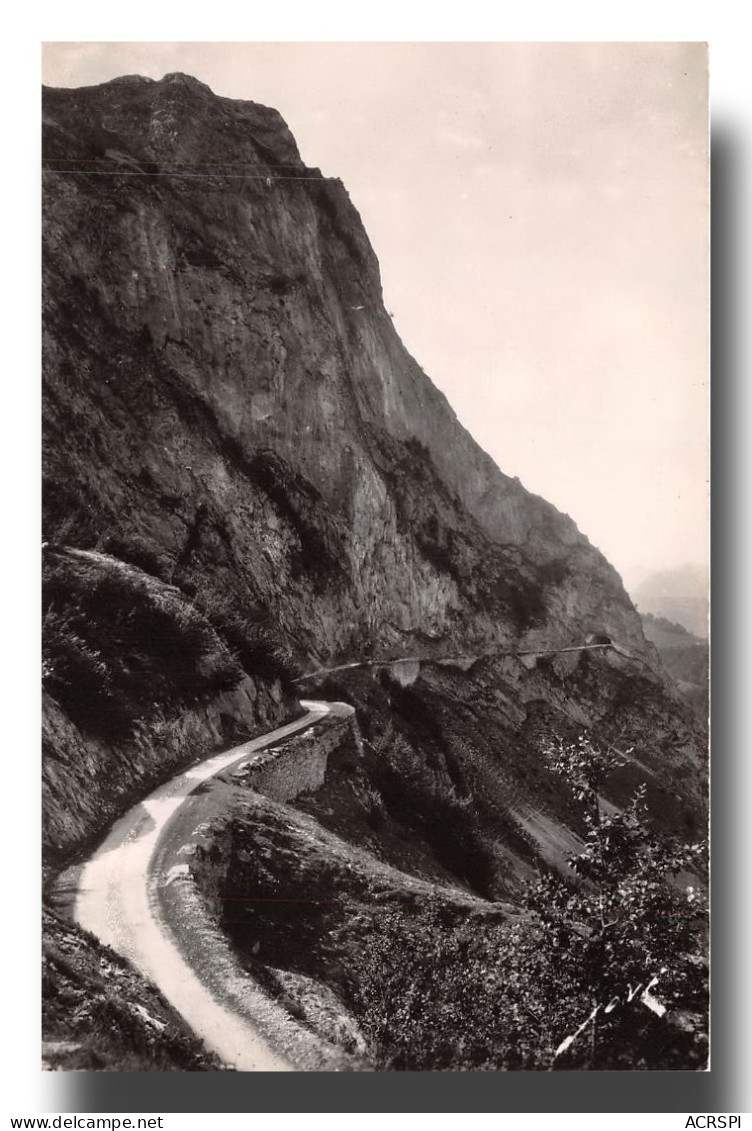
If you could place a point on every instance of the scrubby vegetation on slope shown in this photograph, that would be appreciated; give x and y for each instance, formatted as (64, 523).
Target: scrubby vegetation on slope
(432, 977)
(433, 885)
(118, 644)
(451, 766)
(139, 680)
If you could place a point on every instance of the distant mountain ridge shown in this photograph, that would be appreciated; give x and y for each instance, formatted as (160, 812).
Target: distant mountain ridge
(685, 657)
(680, 595)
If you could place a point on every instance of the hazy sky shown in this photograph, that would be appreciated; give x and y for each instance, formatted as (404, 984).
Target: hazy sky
(540, 216)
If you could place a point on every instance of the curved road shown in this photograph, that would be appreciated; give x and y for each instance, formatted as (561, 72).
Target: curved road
(116, 900)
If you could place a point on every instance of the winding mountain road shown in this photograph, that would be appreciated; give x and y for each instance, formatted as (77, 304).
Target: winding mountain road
(117, 901)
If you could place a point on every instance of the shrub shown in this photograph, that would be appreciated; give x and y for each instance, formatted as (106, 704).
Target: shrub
(259, 650)
(139, 551)
(77, 677)
(578, 980)
(623, 921)
(434, 991)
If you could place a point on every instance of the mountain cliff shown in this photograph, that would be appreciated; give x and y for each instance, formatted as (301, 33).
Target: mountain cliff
(247, 477)
(224, 383)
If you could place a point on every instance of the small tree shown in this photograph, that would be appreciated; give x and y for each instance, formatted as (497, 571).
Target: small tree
(620, 928)
(585, 766)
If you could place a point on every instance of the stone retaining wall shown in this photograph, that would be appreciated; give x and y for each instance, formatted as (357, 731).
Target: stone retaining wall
(294, 766)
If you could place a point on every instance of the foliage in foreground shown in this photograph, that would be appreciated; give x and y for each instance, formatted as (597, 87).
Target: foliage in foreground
(605, 970)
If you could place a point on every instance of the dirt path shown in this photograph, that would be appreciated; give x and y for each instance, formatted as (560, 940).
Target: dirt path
(116, 900)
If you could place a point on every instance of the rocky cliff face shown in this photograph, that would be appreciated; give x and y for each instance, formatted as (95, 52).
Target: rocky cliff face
(223, 383)
(137, 683)
(88, 781)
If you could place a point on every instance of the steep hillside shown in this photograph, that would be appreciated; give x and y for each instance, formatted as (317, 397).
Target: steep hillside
(685, 657)
(246, 478)
(138, 680)
(405, 972)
